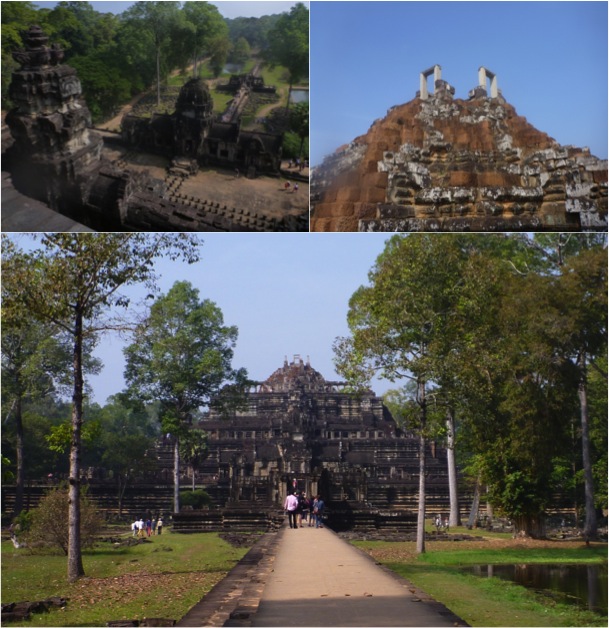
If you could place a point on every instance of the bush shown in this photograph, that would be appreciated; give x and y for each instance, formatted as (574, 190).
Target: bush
(49, 522)
(197, 499)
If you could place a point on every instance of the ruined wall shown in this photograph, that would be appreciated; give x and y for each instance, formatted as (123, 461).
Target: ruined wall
(439, 164)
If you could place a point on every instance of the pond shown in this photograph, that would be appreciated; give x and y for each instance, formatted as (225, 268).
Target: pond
(583, 585)
(233, 68)
(299, 95)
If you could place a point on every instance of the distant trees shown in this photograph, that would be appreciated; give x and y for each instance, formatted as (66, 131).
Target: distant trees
(118, 56)
(289, 44)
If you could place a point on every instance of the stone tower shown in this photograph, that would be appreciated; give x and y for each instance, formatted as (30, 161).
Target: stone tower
(55, 155)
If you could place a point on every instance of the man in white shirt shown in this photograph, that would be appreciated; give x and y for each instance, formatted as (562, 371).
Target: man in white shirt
(291, 505)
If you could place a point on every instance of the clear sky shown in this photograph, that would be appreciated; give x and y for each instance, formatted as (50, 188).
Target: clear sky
(287, 294)
(227, 8)
(550, 59)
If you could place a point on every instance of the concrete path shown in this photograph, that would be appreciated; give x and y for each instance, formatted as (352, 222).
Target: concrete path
(320, 580)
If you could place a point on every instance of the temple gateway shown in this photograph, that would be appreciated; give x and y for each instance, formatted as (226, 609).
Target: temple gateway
(299, 431)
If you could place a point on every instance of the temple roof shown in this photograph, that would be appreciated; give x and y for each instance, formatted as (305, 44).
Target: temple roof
(296, 375)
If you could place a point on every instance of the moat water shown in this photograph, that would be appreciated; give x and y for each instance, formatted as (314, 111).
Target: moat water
(299, 95)
(582, 585)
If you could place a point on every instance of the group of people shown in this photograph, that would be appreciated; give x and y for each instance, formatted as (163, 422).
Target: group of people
(150, 527)
(301, 509)
(441, 524)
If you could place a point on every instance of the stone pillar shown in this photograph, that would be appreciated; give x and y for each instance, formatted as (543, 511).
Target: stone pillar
(436, 70)
(483, 73)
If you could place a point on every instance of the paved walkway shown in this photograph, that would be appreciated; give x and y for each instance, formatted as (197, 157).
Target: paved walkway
(320, 580)
(311, 577)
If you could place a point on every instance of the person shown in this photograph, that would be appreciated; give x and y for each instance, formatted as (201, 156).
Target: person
(159, 526)
(291, 505)
(153, 527)
(287, 186)
(295, 188)
(134, 527)
(148, 527)
(140, 527)
(306, 508)
(318, 510)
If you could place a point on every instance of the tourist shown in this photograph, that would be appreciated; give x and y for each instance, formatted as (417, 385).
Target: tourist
(159, 526)
(318, 511)
(306, 508)
(286, 186)
(153, 527)
(295, 188)
(291, 506)
(148, 527)
(140, 527)
(134, 528)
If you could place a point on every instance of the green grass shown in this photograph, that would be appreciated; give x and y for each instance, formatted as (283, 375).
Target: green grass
(162, 578)
(488, 601)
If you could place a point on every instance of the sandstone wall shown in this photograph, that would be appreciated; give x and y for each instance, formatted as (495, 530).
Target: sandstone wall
(442, 164)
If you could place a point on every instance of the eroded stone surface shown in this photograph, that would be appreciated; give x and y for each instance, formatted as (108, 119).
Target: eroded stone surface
(448, 164)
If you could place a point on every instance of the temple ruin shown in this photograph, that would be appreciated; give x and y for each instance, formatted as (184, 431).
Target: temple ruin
(439, 163)
(299, 431)
(51, 136)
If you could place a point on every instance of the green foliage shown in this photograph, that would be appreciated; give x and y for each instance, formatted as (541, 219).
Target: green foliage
(293, 146)
(49, 522)
(241, 51)
(196, 499)
(289, 42)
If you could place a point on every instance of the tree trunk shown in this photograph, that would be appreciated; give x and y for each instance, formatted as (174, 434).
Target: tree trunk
(530, 526)
(176, 475)
(454, 518)
(422, 443)
(473, 513)
(590, 525)
(75, 566)
(20, 471)
(158, 76)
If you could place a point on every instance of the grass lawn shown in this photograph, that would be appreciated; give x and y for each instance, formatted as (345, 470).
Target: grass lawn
(489, 601)
(161, 578)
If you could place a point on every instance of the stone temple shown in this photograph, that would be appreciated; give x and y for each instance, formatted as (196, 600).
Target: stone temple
(438, 163)
(52, 155)
(300, 431)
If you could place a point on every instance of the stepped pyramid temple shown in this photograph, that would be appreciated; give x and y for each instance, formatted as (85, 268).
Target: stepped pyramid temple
(299, 431)
(438, 163)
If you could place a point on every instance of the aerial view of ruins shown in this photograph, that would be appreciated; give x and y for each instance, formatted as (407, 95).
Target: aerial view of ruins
(143, 134)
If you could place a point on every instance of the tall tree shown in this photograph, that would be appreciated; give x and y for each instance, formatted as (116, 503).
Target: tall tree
(289, 44)
(207, 25)
(398, 320)
(73, 281)
(156, 20)
(181, 356)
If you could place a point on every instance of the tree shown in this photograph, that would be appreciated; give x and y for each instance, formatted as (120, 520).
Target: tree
(398, 325)
(299, 123)
(219, 47)
(241, 51)
(156, 20)
(73, 282)
(289, 44)
(207, 26)
(49, 521)
(181, 356)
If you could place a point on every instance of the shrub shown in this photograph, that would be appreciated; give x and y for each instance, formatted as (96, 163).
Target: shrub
(49, 522)
(197, 499)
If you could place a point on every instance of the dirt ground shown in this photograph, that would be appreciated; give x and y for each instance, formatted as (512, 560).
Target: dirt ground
(263, 195)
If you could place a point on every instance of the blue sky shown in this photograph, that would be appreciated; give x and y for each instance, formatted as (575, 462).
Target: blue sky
(227, 8)
(550, 59)
(287, 294)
